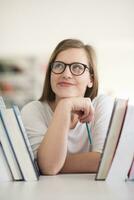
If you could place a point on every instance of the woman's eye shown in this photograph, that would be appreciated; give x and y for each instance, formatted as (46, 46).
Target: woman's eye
(77, 67)
(58, 66)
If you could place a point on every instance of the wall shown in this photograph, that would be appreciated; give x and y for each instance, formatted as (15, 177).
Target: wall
(31, 27)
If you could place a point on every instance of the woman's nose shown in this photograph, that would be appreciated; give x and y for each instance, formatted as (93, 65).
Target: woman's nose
(67, 72)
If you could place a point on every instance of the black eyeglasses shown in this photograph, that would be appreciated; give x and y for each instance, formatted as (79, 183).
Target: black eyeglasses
(58, 67)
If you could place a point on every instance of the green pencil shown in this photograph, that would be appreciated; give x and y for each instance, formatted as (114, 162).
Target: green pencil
(89, 133)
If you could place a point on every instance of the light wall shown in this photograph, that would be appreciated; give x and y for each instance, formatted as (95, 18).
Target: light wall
(34, 27)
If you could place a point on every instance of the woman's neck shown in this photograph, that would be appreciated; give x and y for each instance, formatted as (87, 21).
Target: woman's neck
(52, 105)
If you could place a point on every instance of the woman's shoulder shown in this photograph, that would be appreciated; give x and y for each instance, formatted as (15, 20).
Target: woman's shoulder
(31, 105)
(103, 99)
(34, 106)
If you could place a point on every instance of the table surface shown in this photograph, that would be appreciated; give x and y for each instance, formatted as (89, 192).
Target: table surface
(67, 186)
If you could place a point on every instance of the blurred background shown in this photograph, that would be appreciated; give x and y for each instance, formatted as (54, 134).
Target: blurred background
(30, 30)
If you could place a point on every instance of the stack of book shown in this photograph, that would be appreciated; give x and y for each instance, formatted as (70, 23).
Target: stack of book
(17, 161)
(118, 150)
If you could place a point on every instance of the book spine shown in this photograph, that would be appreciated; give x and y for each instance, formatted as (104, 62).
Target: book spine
(2, 150)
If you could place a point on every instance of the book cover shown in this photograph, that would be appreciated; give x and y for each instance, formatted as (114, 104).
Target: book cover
(25, 137)
(112, 138)
(5, 172)
(8, 150)
(125, 149)
(18, 144)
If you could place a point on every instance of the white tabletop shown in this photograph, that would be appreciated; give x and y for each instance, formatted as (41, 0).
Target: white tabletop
(69, 186)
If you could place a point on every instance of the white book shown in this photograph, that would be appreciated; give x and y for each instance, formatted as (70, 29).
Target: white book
(5, 172)
(25, 137)
(112, 138)
(8, 150)
(18, 144)
(125, 149)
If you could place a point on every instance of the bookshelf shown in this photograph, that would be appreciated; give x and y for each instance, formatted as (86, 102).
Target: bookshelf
(21, 79)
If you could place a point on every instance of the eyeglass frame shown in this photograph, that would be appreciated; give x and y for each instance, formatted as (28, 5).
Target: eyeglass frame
(69, 65)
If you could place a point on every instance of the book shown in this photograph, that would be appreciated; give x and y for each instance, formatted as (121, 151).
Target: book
(25, 137)
(125, 150)
(9, 151)
(5, 172)
(112, 138)
(130, 175)
(18, 144)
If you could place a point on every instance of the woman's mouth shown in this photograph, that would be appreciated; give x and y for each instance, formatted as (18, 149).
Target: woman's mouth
(65, 84)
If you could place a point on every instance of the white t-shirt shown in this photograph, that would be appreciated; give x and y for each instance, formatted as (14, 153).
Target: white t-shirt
(37, 115)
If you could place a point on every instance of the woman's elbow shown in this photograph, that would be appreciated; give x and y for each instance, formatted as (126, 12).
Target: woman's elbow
(46, 169)
(49, 171)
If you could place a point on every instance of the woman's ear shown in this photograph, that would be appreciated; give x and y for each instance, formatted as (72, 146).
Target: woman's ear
(90, 84)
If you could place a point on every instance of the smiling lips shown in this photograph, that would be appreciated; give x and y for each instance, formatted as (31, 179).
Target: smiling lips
(65, 84)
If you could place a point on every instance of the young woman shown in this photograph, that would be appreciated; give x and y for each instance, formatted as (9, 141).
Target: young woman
(57, 124)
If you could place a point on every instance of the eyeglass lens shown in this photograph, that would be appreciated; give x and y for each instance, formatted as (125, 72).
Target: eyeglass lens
(75, 68)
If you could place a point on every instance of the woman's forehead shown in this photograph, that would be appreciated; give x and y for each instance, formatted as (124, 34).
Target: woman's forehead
(73, 55)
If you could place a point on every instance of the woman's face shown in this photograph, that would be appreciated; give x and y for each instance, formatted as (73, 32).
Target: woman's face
(66, 84)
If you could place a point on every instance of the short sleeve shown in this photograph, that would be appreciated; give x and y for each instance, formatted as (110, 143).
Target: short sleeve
(103, 106)
(34, 123)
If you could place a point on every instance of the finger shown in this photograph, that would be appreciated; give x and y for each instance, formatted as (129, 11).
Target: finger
(87, 117)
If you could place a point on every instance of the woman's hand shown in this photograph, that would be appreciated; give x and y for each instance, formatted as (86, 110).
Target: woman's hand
(82, 106)
(51, 160)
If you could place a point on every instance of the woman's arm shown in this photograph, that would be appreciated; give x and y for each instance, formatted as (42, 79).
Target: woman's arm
(53, 149)
(83, 162)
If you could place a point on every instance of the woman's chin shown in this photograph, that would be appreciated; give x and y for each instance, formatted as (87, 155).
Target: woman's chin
(69, 96)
